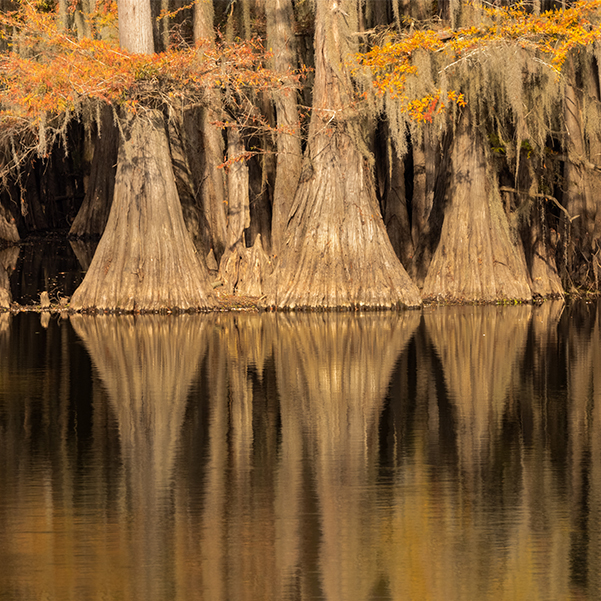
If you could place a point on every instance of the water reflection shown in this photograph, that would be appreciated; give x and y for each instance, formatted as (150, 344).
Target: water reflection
(333, 373)
(147, 366)
(478, 348)
(447, 455)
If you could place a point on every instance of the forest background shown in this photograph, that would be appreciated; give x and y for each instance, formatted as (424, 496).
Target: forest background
(325, 154)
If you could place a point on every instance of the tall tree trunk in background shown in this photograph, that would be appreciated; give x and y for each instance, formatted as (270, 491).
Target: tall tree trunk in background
(212, 190)
(424, 164)
(95, 208)
(238, 210)
(281, 41)
(244, 270)
(477, 257)
(145, 259)
(261, 167)
(135, 26)
(581, 231)
(391, 177)
(336, 251)
(536, 236)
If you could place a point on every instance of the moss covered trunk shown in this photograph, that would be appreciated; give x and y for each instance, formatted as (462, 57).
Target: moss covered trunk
(478, 257)
(145, 259)
(336, 250)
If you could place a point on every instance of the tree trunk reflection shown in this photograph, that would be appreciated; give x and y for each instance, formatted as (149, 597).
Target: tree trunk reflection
(451, 454)
(333, 372)
(147, 365)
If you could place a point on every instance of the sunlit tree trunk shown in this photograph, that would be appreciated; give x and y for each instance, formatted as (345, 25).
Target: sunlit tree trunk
(336, 251)
(281, 41)
(145, 259)
(211, 180)
(245, 265)
(477, 257)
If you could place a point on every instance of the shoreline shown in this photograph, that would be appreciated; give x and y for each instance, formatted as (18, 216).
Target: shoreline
(246, 304)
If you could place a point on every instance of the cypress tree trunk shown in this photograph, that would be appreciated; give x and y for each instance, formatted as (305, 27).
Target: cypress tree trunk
(336, 251)
(145, 260)
(424, 163)
(212, 185)
(536, 237)
(280, 37)
(477, 257)
(242, 269)
(581, 232)
(394, 203)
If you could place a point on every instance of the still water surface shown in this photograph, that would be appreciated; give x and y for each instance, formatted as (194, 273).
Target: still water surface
(453, 454)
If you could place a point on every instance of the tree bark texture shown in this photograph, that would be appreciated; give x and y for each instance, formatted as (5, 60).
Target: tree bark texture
(337, 252)
(424, 166)
(477, 257)
(281, 40)
(135, 26)
(185, 145)
(211, 180)
(243, 270)
(391, 171)
(536, 235)
(581, 231)
(145, 259)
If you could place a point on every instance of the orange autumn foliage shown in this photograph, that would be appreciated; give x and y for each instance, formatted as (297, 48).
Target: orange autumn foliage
(549, 37)
(48, 74)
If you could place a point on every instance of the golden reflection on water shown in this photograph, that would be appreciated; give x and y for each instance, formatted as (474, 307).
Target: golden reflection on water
(448, 455)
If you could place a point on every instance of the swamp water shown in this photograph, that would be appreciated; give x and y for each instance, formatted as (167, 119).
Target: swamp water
(449, 454)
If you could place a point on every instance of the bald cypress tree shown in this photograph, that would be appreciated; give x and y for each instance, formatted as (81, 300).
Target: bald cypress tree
(335, 251)
(145, 259)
